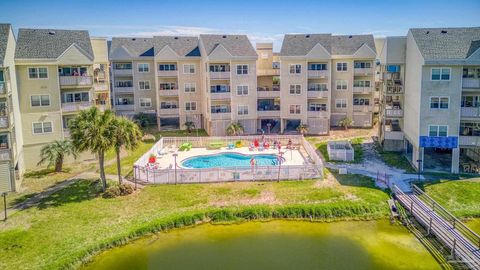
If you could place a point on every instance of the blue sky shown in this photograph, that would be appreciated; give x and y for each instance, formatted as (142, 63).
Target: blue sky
(263, 21)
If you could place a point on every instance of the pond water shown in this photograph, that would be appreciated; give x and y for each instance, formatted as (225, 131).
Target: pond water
(274, 245)
(229, 160)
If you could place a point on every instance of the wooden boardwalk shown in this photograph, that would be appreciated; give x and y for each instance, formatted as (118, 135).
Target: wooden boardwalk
(456, 236)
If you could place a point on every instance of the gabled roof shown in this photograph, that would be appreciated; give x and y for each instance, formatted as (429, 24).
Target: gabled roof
(447, 43)
(236, 45)
(349, 44)
(302, 44)
(4, 33)
(136, 46)
(50, 43)
(183, 46)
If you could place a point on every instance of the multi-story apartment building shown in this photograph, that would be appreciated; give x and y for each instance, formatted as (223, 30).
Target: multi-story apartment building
(229, 66)
(11, 153)
(325, 78)
(442, 99)
(59, 73)
(133, 76)
(391, 71)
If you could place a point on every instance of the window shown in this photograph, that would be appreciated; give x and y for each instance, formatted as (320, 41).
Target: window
(242, 90)
(143, 67)
(438, 131)
(38, 73)
(42, 127)
(357, 83)
(191, 106)
(219, 88)
(341, 84)
(72, 71)
(144, 85)
(362, 65)
(167, 67)
(467, 73)
(190, 87)
(317, 87)
(295, 69)
(145, 102)
(220, 109)
(341, 66)
(242, 69)
(470, 101)
(295, 89)
(242, 109)
(40, 100)
(122, 66)
(168, 105)
(219, 68)
(440, 74)
(314, 66)
(469, 129)
(361, 101)
(168, 86)
(340, 103)
(439, 102)
(317, 107)
(73, 97)
(123, 84)
(295, 109)
(189, 69)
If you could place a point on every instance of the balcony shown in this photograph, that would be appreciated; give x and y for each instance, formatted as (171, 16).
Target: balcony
(74, 81)
(394, 89)
(167, 73)
(268, 72)
(122, 72)
(219, 75)
(469, 141)
(470, 111)
(318, 74)
(362, 108)
(168, 92)
(4, 121)
(312, 93)
(100, 87)
(363, 71)
(66, 132)
(471, 83)
(123, 89)
(362, 89)
(393, 112)
(317, 114)
(166, 111)
(5, 154)
(221, 116)
(268, 110)
(76, 106)
(266, 92)
(393, 135)
(125, 107)
(4, 88)
(220, 95)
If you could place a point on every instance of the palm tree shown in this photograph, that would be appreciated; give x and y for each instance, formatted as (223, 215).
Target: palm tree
(302, 128)
(346, 122)
(55, 152)
(127, 134)
(190, 126)
(93, 130)
(235, 129)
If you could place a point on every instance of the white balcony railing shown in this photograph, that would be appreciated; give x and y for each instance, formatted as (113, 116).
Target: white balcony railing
(100, 87)
(469, 140)
(393, 135)
(362, 108)
(221, 116)
(123, 89)
(167, 73)
(3, 88)
(220, 75)
(318, 74)
(317, 94)
(125, 107)
(77, 106)
(168, 93)
(222, 95)
(122, 72)
(76, 80)
(394, 112)
(270, 113)
(363, 71)
(470, 111)
(268, 94)
(362, 89)
(5, 154)
(268, 72)
(471, 83)
(317, 114)
(4, 122)
(168, 111)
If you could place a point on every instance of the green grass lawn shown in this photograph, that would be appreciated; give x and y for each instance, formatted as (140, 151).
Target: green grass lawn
(395, 159)
(77, 221)
(357, 148)
(130, 158)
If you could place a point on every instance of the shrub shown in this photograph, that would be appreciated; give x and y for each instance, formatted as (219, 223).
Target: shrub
(125, 189)
(112, 192)
(148, 138)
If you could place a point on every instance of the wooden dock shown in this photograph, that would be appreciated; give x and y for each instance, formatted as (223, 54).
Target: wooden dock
(463, 243)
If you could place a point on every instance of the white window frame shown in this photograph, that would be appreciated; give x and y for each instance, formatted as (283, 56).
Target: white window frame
(144, 89)
(243, 66)
(147, 65)
(243, 90)
(145, 101)
(189, 107)
(341, 103)
(40, 95)
(439, 103)
(194, 68)
(43, 128)
(295, 69)
(341, 63)
(243, 106)
(295, 109)
(38, 73)
(190, 87)
(438, 130)
(337, 83)
(441, 73)
(295, 89)
(73, 93)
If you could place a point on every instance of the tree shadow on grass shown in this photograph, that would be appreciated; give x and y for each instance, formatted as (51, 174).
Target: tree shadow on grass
(44, 172)
(79, 191)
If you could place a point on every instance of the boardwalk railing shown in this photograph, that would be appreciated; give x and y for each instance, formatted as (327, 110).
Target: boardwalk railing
(312, 169)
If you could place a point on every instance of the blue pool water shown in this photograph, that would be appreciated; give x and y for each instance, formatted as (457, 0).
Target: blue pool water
(229, 160)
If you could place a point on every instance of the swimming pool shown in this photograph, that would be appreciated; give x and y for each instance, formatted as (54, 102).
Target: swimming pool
(229, 160)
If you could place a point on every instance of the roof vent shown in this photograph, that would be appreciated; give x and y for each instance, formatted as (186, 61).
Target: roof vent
(51, 33)
(224, 36)
(307, 36)
(175, 38)
(350, 36)
(443, 32)
(428, 32)
(134, 39)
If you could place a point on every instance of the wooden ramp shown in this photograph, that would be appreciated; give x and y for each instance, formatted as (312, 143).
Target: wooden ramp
(463, 242)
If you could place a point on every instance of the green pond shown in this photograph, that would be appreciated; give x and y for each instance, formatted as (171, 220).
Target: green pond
(274, 245)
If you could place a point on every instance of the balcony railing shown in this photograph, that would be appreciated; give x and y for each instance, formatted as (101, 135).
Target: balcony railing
(221, 116)
(76, 80)
(363, 71)
(66, 132)
(125, 107)
(266, 92)
(123, 89)
(313, 93)
(77, 106)
(3, 88)
(268, 72)
(470, 111)
(122, 72)
(100, 87)
(394, 112)
(393, 135)
(165, 111)
(471, 83)
(167, 73)
(318, 74)
(316, 114)
(220, 75)
(168, 92)
(469, 140)
(362, 89)
(362, 108)
(268, 111)
(394, 89)
(4, 121)
(5, 154)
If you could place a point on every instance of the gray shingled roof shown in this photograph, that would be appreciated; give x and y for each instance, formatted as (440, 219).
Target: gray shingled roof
(236, 45)
(447, 43)
(4, 32)
(349, 44)
(183, 46)
(50, 43)
(302, 44)
(135, 45)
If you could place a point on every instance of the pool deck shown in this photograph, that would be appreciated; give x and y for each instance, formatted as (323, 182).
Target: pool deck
(292, 157)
